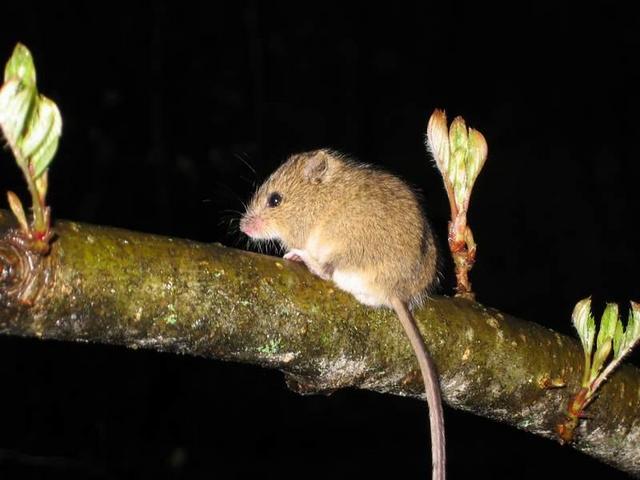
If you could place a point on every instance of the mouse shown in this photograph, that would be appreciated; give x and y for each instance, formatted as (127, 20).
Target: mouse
(365, 230)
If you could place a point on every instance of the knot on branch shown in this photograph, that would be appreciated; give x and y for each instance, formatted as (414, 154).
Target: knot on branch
(24, 271)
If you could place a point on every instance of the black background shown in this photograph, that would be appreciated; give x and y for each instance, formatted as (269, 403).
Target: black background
(164, 105)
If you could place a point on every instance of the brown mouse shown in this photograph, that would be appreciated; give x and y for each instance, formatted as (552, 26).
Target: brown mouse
(364, 229)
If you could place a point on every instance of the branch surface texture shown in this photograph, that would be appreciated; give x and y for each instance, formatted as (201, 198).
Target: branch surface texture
(120, 287)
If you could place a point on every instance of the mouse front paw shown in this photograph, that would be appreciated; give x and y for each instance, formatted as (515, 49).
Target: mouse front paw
(294, 255)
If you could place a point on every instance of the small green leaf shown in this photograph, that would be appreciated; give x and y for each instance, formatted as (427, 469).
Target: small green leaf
(31, 124)
(20, 67)
(608, 324)
(618, 339)
(458, 138)
(41, 142)
(585, 325)
(16, 105)
(438, 140)
(601, 355)
(477, 155)
(460, 177)
(632, 333)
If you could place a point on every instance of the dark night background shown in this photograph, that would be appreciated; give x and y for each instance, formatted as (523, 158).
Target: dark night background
(165, 104)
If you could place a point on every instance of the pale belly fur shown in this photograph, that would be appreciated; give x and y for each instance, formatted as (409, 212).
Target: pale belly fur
(351, 281)
(355, 283)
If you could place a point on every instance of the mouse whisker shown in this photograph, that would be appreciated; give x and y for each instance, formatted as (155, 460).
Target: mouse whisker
(246, 163)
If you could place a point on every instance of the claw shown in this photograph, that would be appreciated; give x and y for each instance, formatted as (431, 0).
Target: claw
(293, 256)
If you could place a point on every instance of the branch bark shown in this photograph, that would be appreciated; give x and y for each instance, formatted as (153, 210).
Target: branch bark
(107, 285)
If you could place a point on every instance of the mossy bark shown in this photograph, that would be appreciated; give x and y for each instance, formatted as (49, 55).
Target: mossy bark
(145, 291)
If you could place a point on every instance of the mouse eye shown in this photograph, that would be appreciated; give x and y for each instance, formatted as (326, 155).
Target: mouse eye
(274, 200)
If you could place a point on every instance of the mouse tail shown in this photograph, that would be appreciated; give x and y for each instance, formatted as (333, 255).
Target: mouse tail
(431, 385)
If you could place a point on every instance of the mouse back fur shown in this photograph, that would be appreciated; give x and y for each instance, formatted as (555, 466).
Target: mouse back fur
(364, 224)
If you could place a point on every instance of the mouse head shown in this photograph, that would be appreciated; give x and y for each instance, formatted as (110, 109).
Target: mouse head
(284, 206)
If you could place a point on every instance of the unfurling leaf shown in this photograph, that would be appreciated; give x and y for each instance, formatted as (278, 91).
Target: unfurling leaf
(632, 332)
(458, 138)
(607, 324)
(478, 151)
(585, 324)
(459, 153)
(601, 355)
(457, 174)
(618, 338)
(438, 140)
(41, 143)
(611, 336)
(31, 124)
(20, 67)
(16, 102)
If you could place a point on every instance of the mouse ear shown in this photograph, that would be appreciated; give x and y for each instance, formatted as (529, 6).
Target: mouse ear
(317, 166)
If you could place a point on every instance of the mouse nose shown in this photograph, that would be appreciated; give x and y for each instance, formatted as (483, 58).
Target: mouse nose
(250, 225)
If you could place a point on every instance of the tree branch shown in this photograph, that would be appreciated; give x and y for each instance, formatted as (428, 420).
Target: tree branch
(114, 286)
